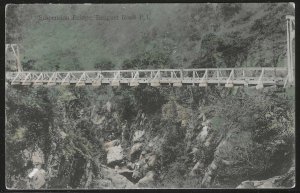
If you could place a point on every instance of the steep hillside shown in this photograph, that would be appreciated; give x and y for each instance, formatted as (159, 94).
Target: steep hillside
(149, 35)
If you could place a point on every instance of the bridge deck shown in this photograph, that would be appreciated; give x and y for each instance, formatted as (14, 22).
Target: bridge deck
(175, 77)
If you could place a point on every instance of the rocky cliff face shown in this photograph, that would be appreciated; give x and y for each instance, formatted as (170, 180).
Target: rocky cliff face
(197, 144)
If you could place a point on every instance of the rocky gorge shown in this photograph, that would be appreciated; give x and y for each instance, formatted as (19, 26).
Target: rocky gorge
(214, 138)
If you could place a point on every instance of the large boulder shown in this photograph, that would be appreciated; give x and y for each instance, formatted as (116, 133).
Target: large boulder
(112, 179)
(37, 157)
(37, 178)
(138, 136)
(110, 144)
(26, 156)
(257, 184)
(286, 180)
(115, 154)
(203, 134)
(151, 160)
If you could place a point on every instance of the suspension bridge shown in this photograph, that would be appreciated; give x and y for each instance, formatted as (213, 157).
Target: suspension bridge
(228, 77)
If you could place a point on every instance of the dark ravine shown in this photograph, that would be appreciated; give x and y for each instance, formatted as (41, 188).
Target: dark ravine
(175, 145)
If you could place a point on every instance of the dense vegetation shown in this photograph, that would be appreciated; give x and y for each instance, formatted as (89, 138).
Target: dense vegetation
(177, 35)
(259, 129)
(197, 137)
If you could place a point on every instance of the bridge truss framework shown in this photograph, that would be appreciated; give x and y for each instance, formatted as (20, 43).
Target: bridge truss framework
(228, 77)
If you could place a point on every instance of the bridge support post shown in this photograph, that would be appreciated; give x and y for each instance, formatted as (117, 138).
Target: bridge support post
(82, 79)
(65, 80)
(218, 77)
(155, 81)
(134, 82)
(97, 81)
(178, 81)
(229, 83)
(290, 25)
(260, 80)
(52, 79)
(116, 80)
(16, 53)
(203, 81)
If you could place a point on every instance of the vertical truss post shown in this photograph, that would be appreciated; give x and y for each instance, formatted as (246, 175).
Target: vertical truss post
(177, 82)
(156, 80)
(194, 76)
(203, 81)
(181, 74)
(116, 79)
(52, 79)
(133, 81)
(18, 58)
(260, 84)
(229, 83)
(285, 82)
(81, 80)
(218, 77)
(65, 80)
(97, 80)
(246, 84)
(16, 51)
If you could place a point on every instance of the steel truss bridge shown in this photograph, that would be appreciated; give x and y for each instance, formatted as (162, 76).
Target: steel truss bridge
(227, 77)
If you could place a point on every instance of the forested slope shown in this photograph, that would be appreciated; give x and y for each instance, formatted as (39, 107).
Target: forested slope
(176, 35)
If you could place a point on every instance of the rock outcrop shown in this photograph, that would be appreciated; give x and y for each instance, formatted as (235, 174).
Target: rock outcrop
(286, 180)
(37, 178)
(114, 154)
(138, 136)
(111, 179)
(37, 157)
(147, 181)
(110, 144)
(135, 150)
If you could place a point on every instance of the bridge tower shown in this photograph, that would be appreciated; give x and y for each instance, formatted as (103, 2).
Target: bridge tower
(12, 55)
(290, 25)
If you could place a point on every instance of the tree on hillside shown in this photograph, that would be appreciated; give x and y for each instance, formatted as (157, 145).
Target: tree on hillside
(104, 65)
